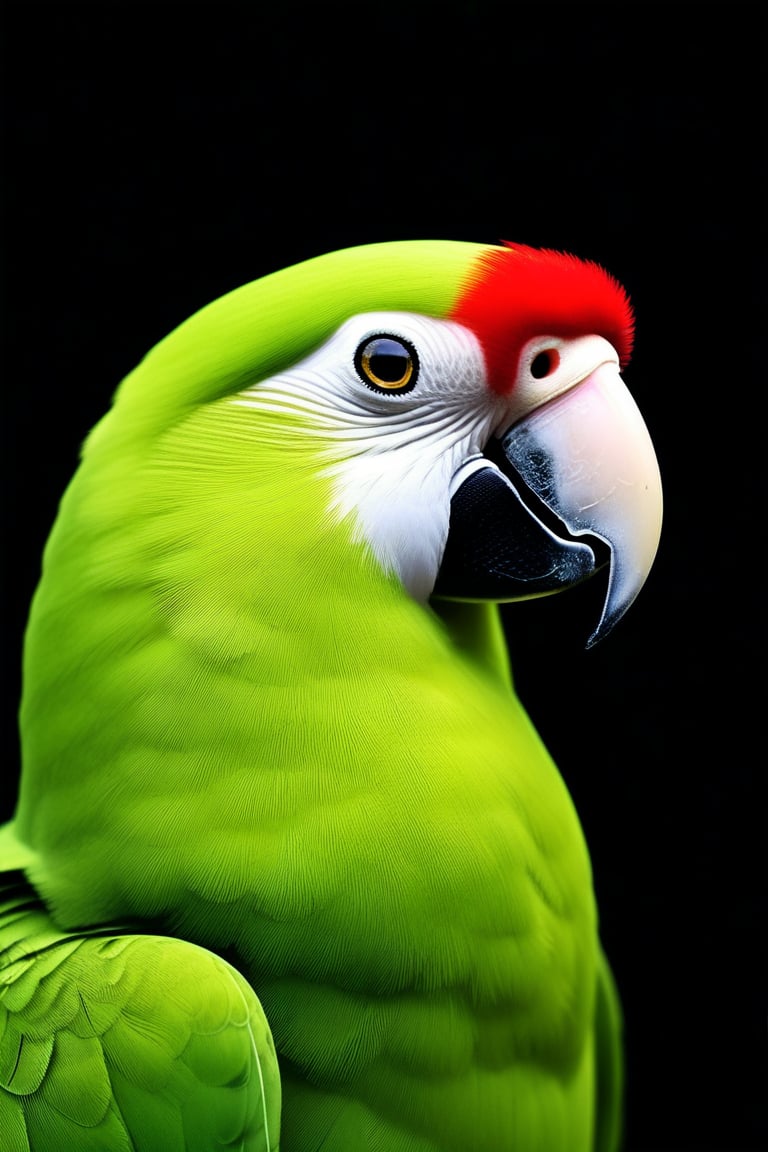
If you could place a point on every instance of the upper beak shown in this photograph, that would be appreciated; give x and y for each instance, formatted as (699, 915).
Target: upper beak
(588, 457)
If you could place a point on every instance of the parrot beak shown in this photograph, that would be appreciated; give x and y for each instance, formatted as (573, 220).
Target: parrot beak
(588, 457)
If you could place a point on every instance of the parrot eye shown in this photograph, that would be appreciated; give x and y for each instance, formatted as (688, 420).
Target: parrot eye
(544, 363)
(387, 364)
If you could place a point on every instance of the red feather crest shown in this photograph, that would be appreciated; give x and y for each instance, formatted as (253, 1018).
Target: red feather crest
(520, 292)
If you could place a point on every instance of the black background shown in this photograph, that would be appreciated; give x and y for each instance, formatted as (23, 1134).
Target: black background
(157, 156)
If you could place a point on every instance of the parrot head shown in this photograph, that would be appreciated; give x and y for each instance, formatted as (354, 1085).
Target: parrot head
(466, 405)
(463, 404)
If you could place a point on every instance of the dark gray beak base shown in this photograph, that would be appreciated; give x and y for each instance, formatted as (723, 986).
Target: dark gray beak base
(498, 550)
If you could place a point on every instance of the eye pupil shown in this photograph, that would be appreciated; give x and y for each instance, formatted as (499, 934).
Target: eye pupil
(388, 367)
(387, 364)
(544, 363)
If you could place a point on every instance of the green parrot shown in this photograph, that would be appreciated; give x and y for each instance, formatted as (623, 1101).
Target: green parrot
(290, 866)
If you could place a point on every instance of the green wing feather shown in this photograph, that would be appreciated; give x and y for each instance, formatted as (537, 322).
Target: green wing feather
(134, 1043)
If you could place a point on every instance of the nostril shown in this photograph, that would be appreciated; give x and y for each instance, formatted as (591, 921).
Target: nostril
(544, 362)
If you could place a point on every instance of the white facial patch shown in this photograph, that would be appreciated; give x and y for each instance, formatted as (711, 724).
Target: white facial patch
(392, 454)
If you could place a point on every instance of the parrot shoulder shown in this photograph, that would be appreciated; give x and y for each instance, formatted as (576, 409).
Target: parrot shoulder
(121, 1041)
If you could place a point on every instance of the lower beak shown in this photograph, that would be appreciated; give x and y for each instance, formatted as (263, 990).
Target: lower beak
(588, 457)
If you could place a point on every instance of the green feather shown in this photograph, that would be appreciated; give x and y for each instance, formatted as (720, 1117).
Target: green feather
(271, 323)
(125, 1042)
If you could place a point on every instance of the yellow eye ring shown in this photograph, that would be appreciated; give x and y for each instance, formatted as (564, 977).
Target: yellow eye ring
(387, 363)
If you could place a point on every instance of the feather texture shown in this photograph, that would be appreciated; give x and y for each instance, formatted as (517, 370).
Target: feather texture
(112, 1040)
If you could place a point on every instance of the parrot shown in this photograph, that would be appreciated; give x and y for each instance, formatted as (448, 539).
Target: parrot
(290, 866)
